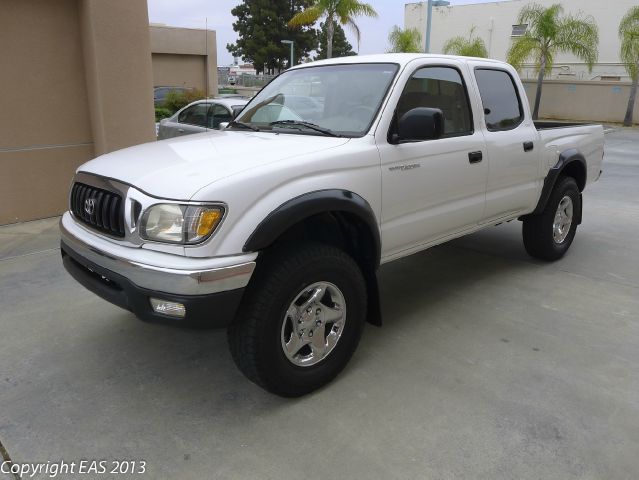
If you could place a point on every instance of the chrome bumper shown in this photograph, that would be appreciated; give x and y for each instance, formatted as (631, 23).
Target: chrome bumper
(178, 280)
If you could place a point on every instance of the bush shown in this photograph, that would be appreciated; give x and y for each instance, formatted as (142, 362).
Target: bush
(161, 112)
(175, 99)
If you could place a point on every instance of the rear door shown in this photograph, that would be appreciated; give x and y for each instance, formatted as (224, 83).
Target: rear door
(512, 143)
(431, 189)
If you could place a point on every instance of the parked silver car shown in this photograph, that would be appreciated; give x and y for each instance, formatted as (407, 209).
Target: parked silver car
(200, 116)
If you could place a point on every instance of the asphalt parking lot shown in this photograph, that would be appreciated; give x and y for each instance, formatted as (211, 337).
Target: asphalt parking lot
(490, 365)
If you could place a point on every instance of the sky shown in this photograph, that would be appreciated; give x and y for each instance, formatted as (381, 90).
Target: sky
(195, 14)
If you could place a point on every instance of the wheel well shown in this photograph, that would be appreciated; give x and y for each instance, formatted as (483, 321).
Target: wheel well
(350, 233)
(342, 230)
(577, 171)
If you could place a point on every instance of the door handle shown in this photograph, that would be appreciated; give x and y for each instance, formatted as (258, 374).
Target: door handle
(475, 157)
(181, 130)
(528, 146)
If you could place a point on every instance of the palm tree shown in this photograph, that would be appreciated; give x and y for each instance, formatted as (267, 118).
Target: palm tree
(404, 41)
(629, 52)
(548, 33)
(343, 11)
(466, 47)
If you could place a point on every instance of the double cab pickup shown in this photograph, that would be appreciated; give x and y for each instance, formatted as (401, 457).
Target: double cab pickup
(275, 226)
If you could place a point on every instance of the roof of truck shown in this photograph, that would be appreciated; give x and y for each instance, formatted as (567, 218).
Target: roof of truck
(400, 58)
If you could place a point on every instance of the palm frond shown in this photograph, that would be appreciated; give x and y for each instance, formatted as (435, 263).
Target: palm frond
(629, 36)
(353, 26)
(404, 41)
(579, 36)
(454, 45)
(353, 8)
(524, 48)
(306, 17)
(466, 47)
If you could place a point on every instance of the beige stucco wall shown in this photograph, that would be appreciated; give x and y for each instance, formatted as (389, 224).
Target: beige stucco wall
(589, 101)
(494, 21)
(118, 72)
(76, 81)
(182, 56)
(174, 70)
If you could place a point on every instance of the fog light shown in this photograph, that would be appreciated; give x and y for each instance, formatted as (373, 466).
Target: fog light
(165, 307)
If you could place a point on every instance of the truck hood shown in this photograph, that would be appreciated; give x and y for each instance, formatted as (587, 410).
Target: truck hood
(177, 168)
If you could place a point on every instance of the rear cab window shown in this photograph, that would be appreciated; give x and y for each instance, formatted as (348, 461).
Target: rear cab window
(500, 99)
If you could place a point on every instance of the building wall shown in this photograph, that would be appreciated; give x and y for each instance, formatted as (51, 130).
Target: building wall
(175, 70)
(182, 56)
(494, 21)
(594, 101)
(75, 77)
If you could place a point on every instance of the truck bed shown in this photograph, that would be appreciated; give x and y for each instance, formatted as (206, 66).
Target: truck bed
(588, 139)
(548, 124)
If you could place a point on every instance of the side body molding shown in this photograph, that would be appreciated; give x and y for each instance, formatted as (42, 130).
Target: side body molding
(299, 208)
(567, 157)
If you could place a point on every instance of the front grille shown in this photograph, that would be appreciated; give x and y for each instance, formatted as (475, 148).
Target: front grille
(98, 208)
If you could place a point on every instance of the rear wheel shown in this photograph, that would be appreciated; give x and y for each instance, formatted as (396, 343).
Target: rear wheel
(548, 236)
(301, 320)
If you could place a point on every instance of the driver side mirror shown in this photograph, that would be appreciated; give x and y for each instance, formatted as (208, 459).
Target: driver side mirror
(418, 124)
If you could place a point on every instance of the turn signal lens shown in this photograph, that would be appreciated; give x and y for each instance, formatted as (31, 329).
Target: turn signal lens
(208, 220)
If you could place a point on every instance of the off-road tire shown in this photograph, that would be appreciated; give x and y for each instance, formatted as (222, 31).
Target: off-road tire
(538, 229)
(255, 337)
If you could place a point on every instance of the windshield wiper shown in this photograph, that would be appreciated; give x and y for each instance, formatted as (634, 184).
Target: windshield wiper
(235, 123)
(309, 125)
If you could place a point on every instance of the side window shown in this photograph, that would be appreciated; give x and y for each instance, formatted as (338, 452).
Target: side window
(195, 115)
(219, 114)
(443, 88)
(499, 97)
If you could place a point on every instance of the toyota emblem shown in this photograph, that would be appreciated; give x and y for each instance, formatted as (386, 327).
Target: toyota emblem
(89, 205)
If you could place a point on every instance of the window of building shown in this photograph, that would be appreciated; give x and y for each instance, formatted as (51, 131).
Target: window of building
(443, 88)
(519, 30)
(501, 102)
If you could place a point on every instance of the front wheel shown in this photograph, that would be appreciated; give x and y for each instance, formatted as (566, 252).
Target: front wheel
(548, 236)
(301, 320)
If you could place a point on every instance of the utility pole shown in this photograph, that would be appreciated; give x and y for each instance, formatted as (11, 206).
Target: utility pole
(429, 24)
(429, 21)
(289, 42)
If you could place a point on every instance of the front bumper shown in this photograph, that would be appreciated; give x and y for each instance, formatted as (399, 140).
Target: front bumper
(211, 296)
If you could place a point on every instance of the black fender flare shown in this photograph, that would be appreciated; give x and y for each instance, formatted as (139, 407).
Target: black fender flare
(565, 158)
(304, 206)
(309, 204)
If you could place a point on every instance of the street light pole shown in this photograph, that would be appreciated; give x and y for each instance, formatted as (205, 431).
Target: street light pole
(289, 42)
(429, 23)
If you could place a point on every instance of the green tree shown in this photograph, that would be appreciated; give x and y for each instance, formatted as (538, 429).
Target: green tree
(548, 33)
(261, 25)
(341, 46)
(470, 46)
(629, 52)
(342, 11)
(407, 40)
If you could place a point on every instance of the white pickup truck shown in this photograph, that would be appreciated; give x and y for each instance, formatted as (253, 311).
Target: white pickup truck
(275, 226)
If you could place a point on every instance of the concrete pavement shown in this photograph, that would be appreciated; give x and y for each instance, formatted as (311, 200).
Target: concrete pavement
(490, 365)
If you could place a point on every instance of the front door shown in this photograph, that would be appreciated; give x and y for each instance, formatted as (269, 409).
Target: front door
(434, 188)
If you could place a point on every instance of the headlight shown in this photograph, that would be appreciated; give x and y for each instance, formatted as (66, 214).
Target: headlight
(186, 224)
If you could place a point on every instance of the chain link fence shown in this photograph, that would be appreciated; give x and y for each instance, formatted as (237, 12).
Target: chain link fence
(244, 80)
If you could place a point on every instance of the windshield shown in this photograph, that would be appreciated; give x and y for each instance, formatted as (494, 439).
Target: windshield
(340, 99)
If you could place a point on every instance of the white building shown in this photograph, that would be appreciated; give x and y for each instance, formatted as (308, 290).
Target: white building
(496, 24)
